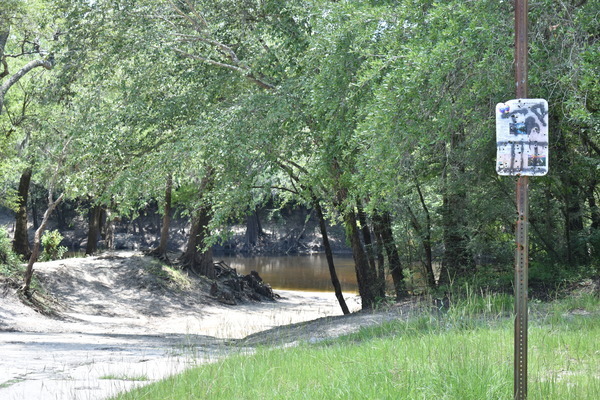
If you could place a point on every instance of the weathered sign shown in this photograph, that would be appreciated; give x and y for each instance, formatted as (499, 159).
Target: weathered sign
(522, 137)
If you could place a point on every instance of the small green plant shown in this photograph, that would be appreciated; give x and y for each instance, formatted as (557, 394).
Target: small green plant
(9, 383)
(52, 248)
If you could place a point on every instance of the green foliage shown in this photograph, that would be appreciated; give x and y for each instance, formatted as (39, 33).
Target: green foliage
(10, 264)
(52, 248)
(551, 280)
(389, 103)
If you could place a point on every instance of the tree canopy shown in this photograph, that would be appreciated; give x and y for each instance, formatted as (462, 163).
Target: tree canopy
(376, 111)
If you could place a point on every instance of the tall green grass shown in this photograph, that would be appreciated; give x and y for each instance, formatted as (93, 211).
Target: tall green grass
(430, 356)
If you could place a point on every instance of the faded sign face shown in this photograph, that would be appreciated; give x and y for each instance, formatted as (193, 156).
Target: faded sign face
(522, 137)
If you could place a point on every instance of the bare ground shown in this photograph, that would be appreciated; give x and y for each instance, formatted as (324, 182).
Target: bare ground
(120, 320)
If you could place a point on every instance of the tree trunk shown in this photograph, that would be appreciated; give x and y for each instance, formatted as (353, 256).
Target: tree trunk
(141, 230)
(380, 259)
(4, 33)
(253, 230)
(195, 258)
(595, 217)
(94, 215)
(457, 260)
(161, 250)
(108, 229)
(594, 210)
(21, 240)
(60, 217)
(34, 212)
(37, 244)
(337, 287)
(383, 224)
(377, 273)
(366, 235)
(425, 236)
(576, 251)
(367, 284)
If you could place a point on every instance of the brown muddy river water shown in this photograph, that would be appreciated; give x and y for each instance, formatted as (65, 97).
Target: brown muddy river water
(298, 272)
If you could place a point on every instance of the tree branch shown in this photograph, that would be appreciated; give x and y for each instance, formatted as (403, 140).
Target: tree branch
(48, 64)
(299, 167)
(199, 24)
(5, 71)
(244, 70)
(187, 17)
(196, 13)
(226, 49)
(282, 188)
(3, 39)
(210, 61)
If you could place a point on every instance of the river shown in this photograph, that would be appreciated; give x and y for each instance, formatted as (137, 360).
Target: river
(297, 272)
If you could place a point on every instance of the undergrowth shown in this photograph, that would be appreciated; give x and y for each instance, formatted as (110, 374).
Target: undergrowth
(11, 267)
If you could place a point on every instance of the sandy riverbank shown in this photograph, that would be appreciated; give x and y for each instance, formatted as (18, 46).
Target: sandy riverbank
(110, 336)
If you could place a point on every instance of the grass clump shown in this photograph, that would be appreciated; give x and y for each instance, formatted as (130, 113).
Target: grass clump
(170, 277)
(113, 377)
(429, 356)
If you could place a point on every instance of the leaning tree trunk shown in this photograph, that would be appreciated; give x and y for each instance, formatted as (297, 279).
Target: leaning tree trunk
(367, 284)
(21, 240)
(337, 287)
(37, 243)
(93, 229)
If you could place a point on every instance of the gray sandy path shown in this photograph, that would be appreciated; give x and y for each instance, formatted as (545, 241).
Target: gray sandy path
(92, 366)
(95, 357)
(119, 327)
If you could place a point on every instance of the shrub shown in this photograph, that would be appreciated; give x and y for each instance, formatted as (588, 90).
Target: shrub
(10, 264)
(52, 248)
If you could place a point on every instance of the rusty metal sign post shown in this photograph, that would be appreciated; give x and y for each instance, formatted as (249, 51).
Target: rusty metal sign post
(522, 150)
(522, 240)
